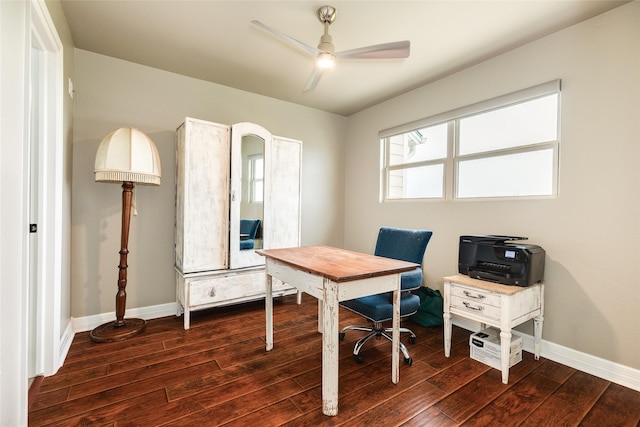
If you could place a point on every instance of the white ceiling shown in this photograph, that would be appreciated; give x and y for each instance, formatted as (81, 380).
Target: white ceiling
(215, 41)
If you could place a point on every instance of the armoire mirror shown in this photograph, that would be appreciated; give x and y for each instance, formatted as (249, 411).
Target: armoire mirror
(247, 218)
(252, 200)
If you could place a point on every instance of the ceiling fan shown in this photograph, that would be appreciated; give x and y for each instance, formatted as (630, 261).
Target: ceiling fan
(326, 53)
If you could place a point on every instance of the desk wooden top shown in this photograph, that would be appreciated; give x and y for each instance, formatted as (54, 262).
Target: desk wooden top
(462, 279)
(339, 265)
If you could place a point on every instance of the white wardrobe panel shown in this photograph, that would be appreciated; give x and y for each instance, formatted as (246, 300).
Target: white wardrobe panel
(282, 210)
(202, 202)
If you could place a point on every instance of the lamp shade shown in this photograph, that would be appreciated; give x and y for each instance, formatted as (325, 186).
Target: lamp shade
(127, 154)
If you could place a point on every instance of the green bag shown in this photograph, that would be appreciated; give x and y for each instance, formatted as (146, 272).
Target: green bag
(431, 306)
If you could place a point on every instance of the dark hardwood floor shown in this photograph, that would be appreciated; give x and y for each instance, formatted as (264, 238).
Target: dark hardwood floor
(218, 373)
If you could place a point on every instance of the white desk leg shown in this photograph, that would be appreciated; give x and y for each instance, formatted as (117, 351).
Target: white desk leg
(395, 343)
(330, 348)
(505, 348)
(268, 302)
(320, 315)
(446, 316)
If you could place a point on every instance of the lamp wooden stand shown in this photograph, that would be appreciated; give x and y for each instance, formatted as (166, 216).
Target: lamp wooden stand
(121, 328)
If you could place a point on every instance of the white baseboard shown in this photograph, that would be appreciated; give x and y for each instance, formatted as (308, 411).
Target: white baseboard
(65, 341)
(88, 323)
(601, 368)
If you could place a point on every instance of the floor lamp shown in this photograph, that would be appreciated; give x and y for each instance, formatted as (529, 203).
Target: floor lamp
(126, 156)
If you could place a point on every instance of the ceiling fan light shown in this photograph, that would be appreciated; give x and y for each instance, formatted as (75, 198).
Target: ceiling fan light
(325, 60)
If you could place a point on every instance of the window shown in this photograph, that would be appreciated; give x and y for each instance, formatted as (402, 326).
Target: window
(504, 147)
(256, 178)
(416, 163)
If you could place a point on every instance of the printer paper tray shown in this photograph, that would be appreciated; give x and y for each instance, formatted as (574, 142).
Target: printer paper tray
(498, 278)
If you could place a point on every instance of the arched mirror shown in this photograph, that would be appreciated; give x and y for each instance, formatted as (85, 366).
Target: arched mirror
(247, 220)
(252, 200)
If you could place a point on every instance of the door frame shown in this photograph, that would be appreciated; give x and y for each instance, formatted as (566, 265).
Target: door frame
(46, 349)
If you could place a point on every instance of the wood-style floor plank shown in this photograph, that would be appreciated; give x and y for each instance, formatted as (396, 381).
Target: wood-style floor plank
(401, 407)
(616, 407)
(242, 405)
(515, 404)
(218, 373)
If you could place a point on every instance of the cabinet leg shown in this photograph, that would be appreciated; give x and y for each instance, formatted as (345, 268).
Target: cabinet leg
(268, 302)
(186, 319)
(537, 336)
(447, 333)
(505, 348)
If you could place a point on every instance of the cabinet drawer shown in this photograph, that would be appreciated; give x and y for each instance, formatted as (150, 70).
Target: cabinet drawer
(225, 288)
(475, 307)
(479, 296)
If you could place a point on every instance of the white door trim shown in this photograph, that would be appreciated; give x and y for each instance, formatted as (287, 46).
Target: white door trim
(49, 143)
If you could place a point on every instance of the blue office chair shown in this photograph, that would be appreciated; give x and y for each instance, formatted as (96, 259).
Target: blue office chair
(248, 232)
(401, 244)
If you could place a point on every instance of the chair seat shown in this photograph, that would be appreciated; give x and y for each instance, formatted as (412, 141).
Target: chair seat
(246, 244)
(378, 308)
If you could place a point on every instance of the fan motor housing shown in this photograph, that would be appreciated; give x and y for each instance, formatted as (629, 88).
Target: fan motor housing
(327, 14)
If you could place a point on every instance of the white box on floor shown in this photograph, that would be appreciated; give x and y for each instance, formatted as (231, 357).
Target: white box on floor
(485, 348)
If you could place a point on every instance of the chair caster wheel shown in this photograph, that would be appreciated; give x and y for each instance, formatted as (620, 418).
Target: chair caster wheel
(358, 358)
(341, 336)
(408, 361)
(412, 340)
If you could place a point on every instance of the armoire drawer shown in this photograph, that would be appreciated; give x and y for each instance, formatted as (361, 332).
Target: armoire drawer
(225, 287)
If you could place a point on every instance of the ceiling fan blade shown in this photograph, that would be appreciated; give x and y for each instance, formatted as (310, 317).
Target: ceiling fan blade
(378, 51)
(295, 43)
(314, 78)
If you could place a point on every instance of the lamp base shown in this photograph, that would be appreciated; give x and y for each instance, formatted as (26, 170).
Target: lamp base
(110, 333)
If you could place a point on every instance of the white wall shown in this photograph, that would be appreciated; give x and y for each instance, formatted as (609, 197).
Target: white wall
(14, 34)
(111, 93)
(591, 231)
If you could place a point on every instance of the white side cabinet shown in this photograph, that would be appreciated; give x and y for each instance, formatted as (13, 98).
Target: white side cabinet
(493, 304)
(224, 175)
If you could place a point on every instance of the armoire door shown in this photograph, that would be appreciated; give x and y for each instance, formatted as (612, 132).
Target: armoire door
(202, 196)
(250, 159)
(282, 204)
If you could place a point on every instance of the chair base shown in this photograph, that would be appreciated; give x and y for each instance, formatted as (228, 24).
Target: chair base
(378, 331)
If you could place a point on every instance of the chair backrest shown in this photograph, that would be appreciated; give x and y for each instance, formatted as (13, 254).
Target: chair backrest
(250, 227)
(402, 244)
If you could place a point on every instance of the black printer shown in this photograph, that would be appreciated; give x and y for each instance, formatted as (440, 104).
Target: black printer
(490, 257)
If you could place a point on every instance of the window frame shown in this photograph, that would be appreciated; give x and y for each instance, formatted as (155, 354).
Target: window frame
(252, 181)
(452, 161)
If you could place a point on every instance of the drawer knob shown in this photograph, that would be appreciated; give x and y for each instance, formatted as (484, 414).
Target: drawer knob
(212, 292)
(471, 307)
(474, 296)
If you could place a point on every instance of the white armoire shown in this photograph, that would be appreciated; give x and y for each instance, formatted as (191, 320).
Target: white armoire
(226, 175)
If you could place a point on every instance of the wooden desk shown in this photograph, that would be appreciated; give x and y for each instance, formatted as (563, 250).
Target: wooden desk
(332, 275)
(502, 306)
